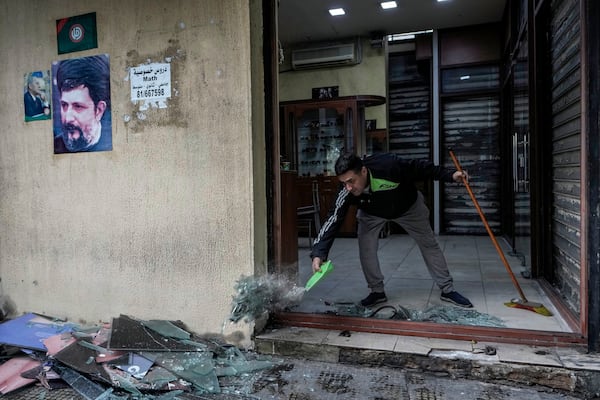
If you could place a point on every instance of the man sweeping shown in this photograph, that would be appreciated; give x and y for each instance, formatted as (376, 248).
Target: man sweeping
(382, 186)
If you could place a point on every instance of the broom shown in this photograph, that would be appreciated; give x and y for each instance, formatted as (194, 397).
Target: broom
(515, 303)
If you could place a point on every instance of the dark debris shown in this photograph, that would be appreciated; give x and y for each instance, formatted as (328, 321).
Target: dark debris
(128, 358)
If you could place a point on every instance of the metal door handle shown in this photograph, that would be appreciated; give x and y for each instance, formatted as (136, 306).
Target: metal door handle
(515, 166)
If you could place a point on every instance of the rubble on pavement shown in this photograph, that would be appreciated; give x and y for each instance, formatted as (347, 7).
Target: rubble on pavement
(127, 358)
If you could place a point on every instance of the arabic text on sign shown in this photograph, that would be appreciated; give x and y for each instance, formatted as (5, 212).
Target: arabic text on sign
(152, 81)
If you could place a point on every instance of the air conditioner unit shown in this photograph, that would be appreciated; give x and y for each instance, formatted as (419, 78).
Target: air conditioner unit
(327, 55)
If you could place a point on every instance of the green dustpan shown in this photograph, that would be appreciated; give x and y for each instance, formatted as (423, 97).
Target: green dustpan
(326, 268)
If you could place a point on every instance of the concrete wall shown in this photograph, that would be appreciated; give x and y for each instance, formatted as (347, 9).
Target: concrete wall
(162, 226)
(258, 138)
(366, 78)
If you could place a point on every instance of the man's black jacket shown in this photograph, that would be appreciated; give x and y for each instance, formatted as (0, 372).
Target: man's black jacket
(391, 192)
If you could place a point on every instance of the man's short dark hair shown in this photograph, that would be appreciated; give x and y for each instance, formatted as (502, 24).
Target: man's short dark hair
(348, 162)
(91, 72)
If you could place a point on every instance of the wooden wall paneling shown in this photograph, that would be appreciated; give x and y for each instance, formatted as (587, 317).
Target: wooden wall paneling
(289, 234)
(423, 47)
(478, 44)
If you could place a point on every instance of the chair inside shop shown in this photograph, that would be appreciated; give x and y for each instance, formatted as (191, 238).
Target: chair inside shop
(308, 217)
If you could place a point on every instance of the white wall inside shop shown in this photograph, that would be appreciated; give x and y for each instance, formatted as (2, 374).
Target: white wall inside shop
(162, 226)
(366, 78)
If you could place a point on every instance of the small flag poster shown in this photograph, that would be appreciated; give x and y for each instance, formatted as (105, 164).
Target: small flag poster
(76, 33)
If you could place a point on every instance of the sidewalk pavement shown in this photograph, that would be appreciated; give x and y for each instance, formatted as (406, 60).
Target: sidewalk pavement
(448, 369)
(301, 379)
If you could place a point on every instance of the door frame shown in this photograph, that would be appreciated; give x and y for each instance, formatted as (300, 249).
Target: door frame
(590, 223)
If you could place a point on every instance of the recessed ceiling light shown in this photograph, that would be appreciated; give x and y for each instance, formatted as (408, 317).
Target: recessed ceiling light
(386, 5)
(337, 11)
(439, 1)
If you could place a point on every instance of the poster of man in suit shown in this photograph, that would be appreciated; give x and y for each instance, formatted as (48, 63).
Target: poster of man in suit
(36, 96)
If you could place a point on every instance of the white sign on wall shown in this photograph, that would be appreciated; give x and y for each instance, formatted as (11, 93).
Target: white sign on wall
(151, 81)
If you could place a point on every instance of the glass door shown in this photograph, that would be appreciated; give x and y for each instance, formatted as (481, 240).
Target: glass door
(470, 125)
(520, 152)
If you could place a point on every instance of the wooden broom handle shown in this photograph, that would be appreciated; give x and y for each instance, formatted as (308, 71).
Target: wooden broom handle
(487, 227)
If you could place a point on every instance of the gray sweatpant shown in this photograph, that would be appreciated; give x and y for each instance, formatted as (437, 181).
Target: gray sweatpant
(416, 222)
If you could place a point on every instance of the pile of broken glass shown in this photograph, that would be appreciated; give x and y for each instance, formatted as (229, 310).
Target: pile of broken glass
(126, 358)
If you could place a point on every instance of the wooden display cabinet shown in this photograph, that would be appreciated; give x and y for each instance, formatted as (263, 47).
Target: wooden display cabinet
(314, 134)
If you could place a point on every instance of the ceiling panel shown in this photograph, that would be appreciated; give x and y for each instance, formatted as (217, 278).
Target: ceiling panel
(309, 20)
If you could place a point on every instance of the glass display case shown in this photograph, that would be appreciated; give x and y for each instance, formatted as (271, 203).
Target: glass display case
(315, 132)
(321, 138)
(313, 135)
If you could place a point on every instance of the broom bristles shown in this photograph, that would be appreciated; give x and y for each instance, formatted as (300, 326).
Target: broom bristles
(535, 307)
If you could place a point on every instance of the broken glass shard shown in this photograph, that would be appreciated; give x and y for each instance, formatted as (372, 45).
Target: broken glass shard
(258, 295)
(166, 328)
(195, 367)
(85, 387)
(77, 357)
(130, 334)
